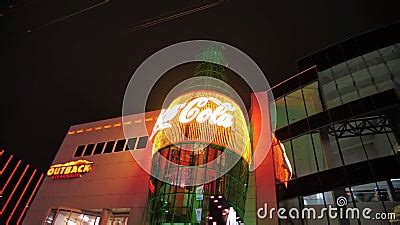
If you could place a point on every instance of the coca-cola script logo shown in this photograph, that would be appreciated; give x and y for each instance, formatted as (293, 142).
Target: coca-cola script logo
(194, 110)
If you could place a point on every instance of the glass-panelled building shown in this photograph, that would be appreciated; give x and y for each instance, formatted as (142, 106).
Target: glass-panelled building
(339, 122)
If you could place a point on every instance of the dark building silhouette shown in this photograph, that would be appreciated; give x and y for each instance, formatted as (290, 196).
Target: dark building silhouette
(339, 122)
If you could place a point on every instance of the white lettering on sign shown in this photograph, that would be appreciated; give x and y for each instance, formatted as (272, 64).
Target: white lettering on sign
(194, 110)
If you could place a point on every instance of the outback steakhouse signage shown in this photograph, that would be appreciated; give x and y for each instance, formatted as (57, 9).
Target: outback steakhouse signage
(73, 169)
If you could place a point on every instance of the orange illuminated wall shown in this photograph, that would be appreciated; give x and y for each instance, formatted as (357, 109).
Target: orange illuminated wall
(19, 183)
(269, 155)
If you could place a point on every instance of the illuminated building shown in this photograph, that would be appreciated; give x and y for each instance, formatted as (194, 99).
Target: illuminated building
(337, 120)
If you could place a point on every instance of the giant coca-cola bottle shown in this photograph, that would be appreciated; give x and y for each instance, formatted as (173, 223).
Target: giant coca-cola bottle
(201, 153)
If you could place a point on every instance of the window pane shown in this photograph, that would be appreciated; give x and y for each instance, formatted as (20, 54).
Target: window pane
(331, 199)
(322, 165)
(396, 189)
(131, 144)
(316, 199)
(295, 106)
(304, 155)
(312, 99)
(394, 66)
(109, 147)
(75, 218)
(329, 90)
(89, 149)
(389, 53)
(89, 220)
(79, 150)
(51, 217)
(289, 204)
(368, 196)
(315, 202)
(289, 154)
(331, 149)
(99, 148)
(391, 191)
(281, 116)
(352, 149)
(120, 145)
(142, 142)
(381, 75)
(377, 145)
(61, 217)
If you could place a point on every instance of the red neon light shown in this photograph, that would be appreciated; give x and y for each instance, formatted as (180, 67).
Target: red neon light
(30, 198)
(12, 193)
(20, 197)
(5, 166)
(9, 178)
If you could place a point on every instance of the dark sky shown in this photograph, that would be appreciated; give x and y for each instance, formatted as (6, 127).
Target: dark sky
(73, 67)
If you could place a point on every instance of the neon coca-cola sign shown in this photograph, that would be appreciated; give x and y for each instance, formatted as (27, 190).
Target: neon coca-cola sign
(196, 110)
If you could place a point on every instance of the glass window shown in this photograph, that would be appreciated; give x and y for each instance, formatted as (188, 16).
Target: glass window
(75, 218)
(316, 199)
(109, 147)
(347, 90)
(396, 189)
(373, 58)
(317, 203)
(142, 143)
(319, 151)
(356, 64)
(289, 154)
(131, 144)
(369, 196)
(61, 217)
(118, 220)
(288, 204)
(389, 53)
(366, 193)
(281, 116)
(377, 145)
(332, 154)
(51, 217)
(394, 66)
(352, 149)
(340, 70)
(390, 194)
(89, 149)
(99, 148)
(64, 217)
(79, 151)
(295, 106)
(89, 219)
(312, 99)
(304, 155)
(331, 199)
(120, 145)
(382, 76)
(329, 89)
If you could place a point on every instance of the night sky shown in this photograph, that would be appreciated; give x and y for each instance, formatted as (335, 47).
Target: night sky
(63, 63)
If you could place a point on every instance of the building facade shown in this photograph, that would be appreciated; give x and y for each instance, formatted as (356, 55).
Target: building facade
(339, 123)
(337, 137)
